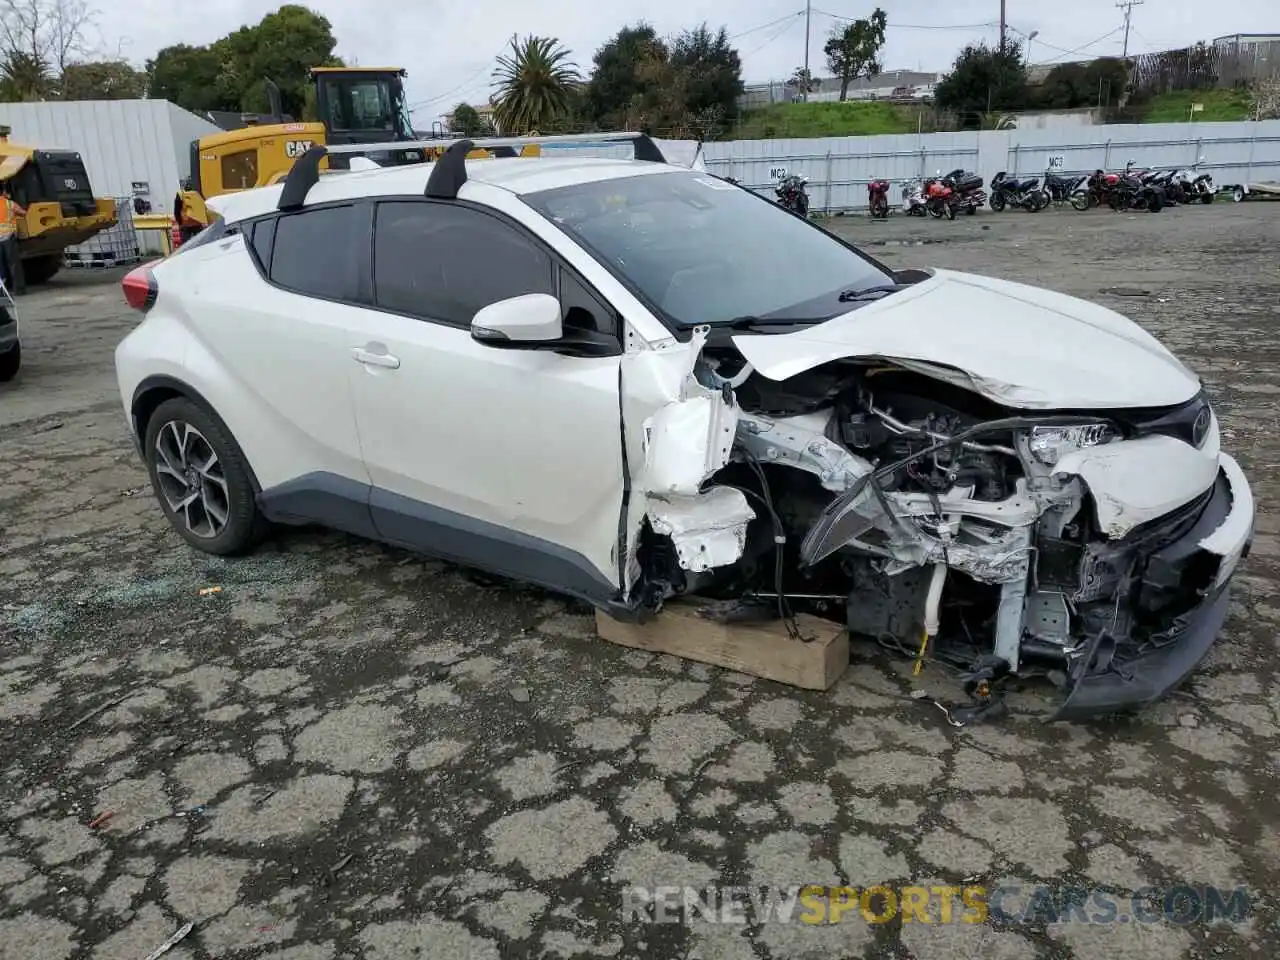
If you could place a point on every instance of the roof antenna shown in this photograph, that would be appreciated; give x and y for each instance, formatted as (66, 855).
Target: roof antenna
(303, 175)
(450, 172)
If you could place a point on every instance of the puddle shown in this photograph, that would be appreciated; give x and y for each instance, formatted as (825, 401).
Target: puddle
(1126, 291)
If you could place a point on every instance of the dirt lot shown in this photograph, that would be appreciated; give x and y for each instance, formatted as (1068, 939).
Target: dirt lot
(350, 752)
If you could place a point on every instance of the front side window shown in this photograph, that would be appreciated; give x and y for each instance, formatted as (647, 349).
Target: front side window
(705, 251)
(444, 262)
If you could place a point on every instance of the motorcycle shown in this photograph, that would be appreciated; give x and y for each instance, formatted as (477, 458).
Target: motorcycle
(1024, 194)
(914, 201)
(1197, 188)
(940, 199)
(792, 194)
(1071, 190)
(1136, 190)
(967, 187)
(878, 198)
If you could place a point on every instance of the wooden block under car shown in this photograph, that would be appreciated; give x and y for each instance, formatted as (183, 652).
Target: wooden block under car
(762, 650)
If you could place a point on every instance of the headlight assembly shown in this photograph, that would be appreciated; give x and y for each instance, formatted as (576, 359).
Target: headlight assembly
(1051, 444)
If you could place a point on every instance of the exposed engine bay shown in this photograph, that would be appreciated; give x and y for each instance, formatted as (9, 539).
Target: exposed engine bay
(940, 523)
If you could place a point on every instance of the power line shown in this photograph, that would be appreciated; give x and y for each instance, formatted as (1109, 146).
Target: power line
(791, 21)
(1080, 49)
(766, 26)
(891, 25)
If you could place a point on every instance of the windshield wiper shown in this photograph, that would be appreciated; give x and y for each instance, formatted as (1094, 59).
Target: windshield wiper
(753, 323)
(870, 293)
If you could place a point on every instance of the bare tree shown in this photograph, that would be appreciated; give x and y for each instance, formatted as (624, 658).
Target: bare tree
(51, 32)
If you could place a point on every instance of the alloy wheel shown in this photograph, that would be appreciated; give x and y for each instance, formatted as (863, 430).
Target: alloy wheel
(191, 479)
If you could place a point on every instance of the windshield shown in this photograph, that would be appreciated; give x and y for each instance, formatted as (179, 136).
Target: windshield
(705, 251)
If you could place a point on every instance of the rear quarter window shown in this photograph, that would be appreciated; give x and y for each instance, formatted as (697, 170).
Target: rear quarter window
(320, 252)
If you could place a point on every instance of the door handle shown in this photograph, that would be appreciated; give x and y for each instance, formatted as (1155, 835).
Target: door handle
(371, 359)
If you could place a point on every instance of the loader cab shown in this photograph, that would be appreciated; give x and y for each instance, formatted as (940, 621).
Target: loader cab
(365, 105)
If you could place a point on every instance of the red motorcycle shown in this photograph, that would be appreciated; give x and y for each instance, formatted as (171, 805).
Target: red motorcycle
(878, 199)
(940, 199)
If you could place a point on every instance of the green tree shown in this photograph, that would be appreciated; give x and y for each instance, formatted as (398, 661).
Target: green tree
(1106, 79)
(984, 80)
(103, 80)
(853, 50)
(712, 77)
(616, 86)
(468, 122)
(188, 76)
(283, 47)
(24, 77)
(535, 82)
(1066, 86)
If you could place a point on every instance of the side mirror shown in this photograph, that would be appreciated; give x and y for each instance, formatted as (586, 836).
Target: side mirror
(533, 321)
(533, 318)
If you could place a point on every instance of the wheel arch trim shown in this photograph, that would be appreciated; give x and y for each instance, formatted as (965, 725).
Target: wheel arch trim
(161, 387)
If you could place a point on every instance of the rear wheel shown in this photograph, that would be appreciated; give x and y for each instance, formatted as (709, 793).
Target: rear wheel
(1080, 200)
(1237, 195)
(1206, 197)
(41, 269)
(997, 202)
(201, 479)
(10, 363)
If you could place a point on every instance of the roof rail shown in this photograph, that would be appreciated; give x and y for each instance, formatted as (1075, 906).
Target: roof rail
(303, 175)
(645, 148)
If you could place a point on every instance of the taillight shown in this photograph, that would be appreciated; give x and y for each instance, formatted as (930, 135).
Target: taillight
(140, 289)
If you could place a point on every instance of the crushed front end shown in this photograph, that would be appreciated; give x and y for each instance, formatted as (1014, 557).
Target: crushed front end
(1094, 548)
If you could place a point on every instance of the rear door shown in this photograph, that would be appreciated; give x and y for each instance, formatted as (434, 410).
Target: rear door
(272, 315)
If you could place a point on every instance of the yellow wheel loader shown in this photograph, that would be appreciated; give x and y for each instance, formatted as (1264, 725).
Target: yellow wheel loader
(353, 105)
(59, 208)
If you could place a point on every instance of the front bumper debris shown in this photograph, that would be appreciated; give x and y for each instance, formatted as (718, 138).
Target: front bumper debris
(1106, 677)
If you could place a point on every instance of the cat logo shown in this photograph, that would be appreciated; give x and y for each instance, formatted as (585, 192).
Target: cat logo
(69, 183)
(296, 148)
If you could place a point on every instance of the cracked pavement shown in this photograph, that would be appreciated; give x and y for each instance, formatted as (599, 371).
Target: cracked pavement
(349, 751)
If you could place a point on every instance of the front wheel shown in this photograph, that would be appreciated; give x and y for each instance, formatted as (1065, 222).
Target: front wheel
(1080, 201)
(41, 269)
(201, 479)
(997, 202)
(1237, 195)
(1155, 202)
(10, 363)
(1206, 197)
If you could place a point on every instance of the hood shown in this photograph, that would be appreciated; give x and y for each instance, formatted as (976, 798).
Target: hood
(1018, 345)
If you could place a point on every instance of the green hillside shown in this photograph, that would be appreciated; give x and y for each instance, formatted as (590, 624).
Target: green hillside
(848, 119)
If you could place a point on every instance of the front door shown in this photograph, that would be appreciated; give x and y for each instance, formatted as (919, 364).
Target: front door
(507, 459)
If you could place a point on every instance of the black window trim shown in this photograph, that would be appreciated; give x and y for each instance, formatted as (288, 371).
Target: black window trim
(681, 331)
(558, 263)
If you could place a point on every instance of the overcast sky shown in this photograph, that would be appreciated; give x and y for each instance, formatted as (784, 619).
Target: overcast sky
(449, 48)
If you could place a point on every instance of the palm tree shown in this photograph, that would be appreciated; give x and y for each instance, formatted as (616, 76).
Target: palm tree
(24, 78)
(535, 83)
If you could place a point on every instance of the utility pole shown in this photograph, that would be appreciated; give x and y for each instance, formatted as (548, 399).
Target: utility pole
(808, 10)
(1127, 6)
(1002, 25)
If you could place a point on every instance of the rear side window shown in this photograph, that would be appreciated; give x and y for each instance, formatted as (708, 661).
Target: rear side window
(444, 262)
(264, 235)
(319, 252)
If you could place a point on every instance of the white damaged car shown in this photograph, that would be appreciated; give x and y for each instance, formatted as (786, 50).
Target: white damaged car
(626, 380)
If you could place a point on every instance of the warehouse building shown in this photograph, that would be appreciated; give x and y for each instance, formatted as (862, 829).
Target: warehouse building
(132, 150)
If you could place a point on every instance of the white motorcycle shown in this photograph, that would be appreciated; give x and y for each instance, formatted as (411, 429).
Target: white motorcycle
(1198, 187)
(914, 203)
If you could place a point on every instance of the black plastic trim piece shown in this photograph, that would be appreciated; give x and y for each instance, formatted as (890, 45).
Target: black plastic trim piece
(449, 173)
(321, 498)
(344, 504)
(303, 175)
(647, 150)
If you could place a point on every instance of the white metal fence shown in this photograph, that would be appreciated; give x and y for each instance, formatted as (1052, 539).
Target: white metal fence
(839, 168)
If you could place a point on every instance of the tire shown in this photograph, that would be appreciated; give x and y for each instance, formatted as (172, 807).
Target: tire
(950, 210)
(802, 206)
(1080, 201)
(1155, 202)
(1206, 197)
(997, 202)
(935, 211)
(41, 269)
(1238, 195)
(223, 486)
(10, 363)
